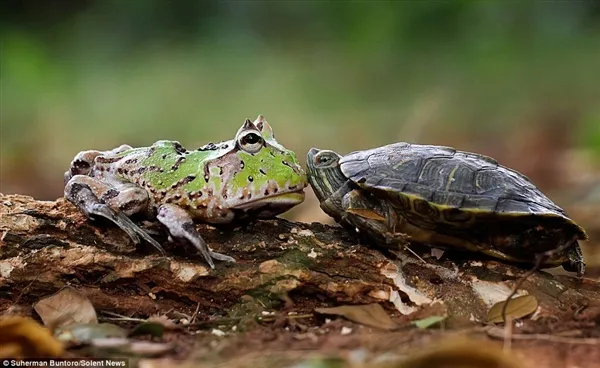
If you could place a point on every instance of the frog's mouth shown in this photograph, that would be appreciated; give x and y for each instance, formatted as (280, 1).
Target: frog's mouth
(280, 201)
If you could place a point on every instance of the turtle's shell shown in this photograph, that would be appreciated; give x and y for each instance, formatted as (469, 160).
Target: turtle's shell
(456, 192)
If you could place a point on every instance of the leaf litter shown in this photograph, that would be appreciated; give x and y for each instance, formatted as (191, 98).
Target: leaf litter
(372, 315)
(516, 308)
(428, 322)
(65, 307)
(71, 320)
(85, 333)
(23, 337)
(154, 329)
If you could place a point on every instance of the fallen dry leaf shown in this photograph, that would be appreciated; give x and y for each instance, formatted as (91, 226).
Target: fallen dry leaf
(437, 253)
(165, 321)
(165, 363)
(83, 333)
(65, 307)
(153, 329)
(457, 352)
(428, 322)
(131, 347)
(150, 349)
(518, 307)
(372, 315)
(110, 342)
(22, 337)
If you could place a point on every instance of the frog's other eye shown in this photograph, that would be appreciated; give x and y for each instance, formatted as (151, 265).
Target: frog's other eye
(251, 142)
(325, 159)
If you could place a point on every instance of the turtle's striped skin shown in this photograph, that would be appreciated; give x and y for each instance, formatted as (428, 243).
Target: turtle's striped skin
(445, 198)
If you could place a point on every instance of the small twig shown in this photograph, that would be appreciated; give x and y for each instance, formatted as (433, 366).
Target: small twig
(122, 319)
(214, 321)
(24, 290)
(414, 254)
(540, 258)
(178, 314)
(507, 336)
(538, 264)
(167, 312)
(195, 313)
(296, 316)
(114, 314)
(235, 319)
(579, 310)
(406, 246)
(498, 332)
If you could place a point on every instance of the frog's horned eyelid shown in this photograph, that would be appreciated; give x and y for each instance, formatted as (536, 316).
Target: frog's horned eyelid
(266, 129)
(248, 126)
(262, 125)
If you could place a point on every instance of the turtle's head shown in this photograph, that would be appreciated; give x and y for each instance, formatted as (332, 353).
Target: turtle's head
(324, 173)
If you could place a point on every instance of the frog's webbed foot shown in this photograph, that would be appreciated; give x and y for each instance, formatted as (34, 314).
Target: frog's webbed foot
(125, 223)
(181, 226)
(80, 191)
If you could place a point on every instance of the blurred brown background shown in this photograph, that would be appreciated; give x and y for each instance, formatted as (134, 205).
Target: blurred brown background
(518, 81)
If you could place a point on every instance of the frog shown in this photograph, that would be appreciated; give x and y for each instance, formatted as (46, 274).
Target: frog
(249, 177)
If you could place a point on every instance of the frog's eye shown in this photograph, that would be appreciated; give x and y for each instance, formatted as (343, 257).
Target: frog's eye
(251, 142)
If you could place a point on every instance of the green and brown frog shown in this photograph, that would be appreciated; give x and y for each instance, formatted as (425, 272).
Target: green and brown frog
(250, 176)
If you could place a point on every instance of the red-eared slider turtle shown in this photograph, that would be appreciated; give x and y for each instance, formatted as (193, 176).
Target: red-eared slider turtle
(445, 198)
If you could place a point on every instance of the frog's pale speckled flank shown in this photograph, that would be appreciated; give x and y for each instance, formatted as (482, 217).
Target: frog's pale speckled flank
(250, 176)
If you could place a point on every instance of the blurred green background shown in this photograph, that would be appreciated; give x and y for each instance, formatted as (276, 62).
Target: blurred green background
(519, 81)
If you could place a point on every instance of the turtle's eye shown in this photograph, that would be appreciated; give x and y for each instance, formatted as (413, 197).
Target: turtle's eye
(251, 142)
(324, 159)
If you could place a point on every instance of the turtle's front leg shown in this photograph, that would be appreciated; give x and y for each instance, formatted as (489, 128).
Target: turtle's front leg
(372, 216)
(181, 226)
(97, 198)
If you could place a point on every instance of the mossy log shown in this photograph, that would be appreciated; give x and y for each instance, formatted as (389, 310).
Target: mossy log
(45, 245)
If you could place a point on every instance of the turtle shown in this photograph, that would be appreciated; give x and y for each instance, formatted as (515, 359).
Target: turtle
(445, 198)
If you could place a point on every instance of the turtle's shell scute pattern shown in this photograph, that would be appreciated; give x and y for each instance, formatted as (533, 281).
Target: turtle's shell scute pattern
(442, 179)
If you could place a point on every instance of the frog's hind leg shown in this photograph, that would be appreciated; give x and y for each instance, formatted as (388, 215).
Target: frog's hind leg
(181, 226)
(97, 198)
(82, 163)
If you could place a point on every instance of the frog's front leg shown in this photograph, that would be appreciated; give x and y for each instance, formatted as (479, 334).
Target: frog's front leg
(181, 226)
(97, 198)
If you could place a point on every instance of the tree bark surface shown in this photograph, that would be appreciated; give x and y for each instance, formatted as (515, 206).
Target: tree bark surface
(45, 245)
